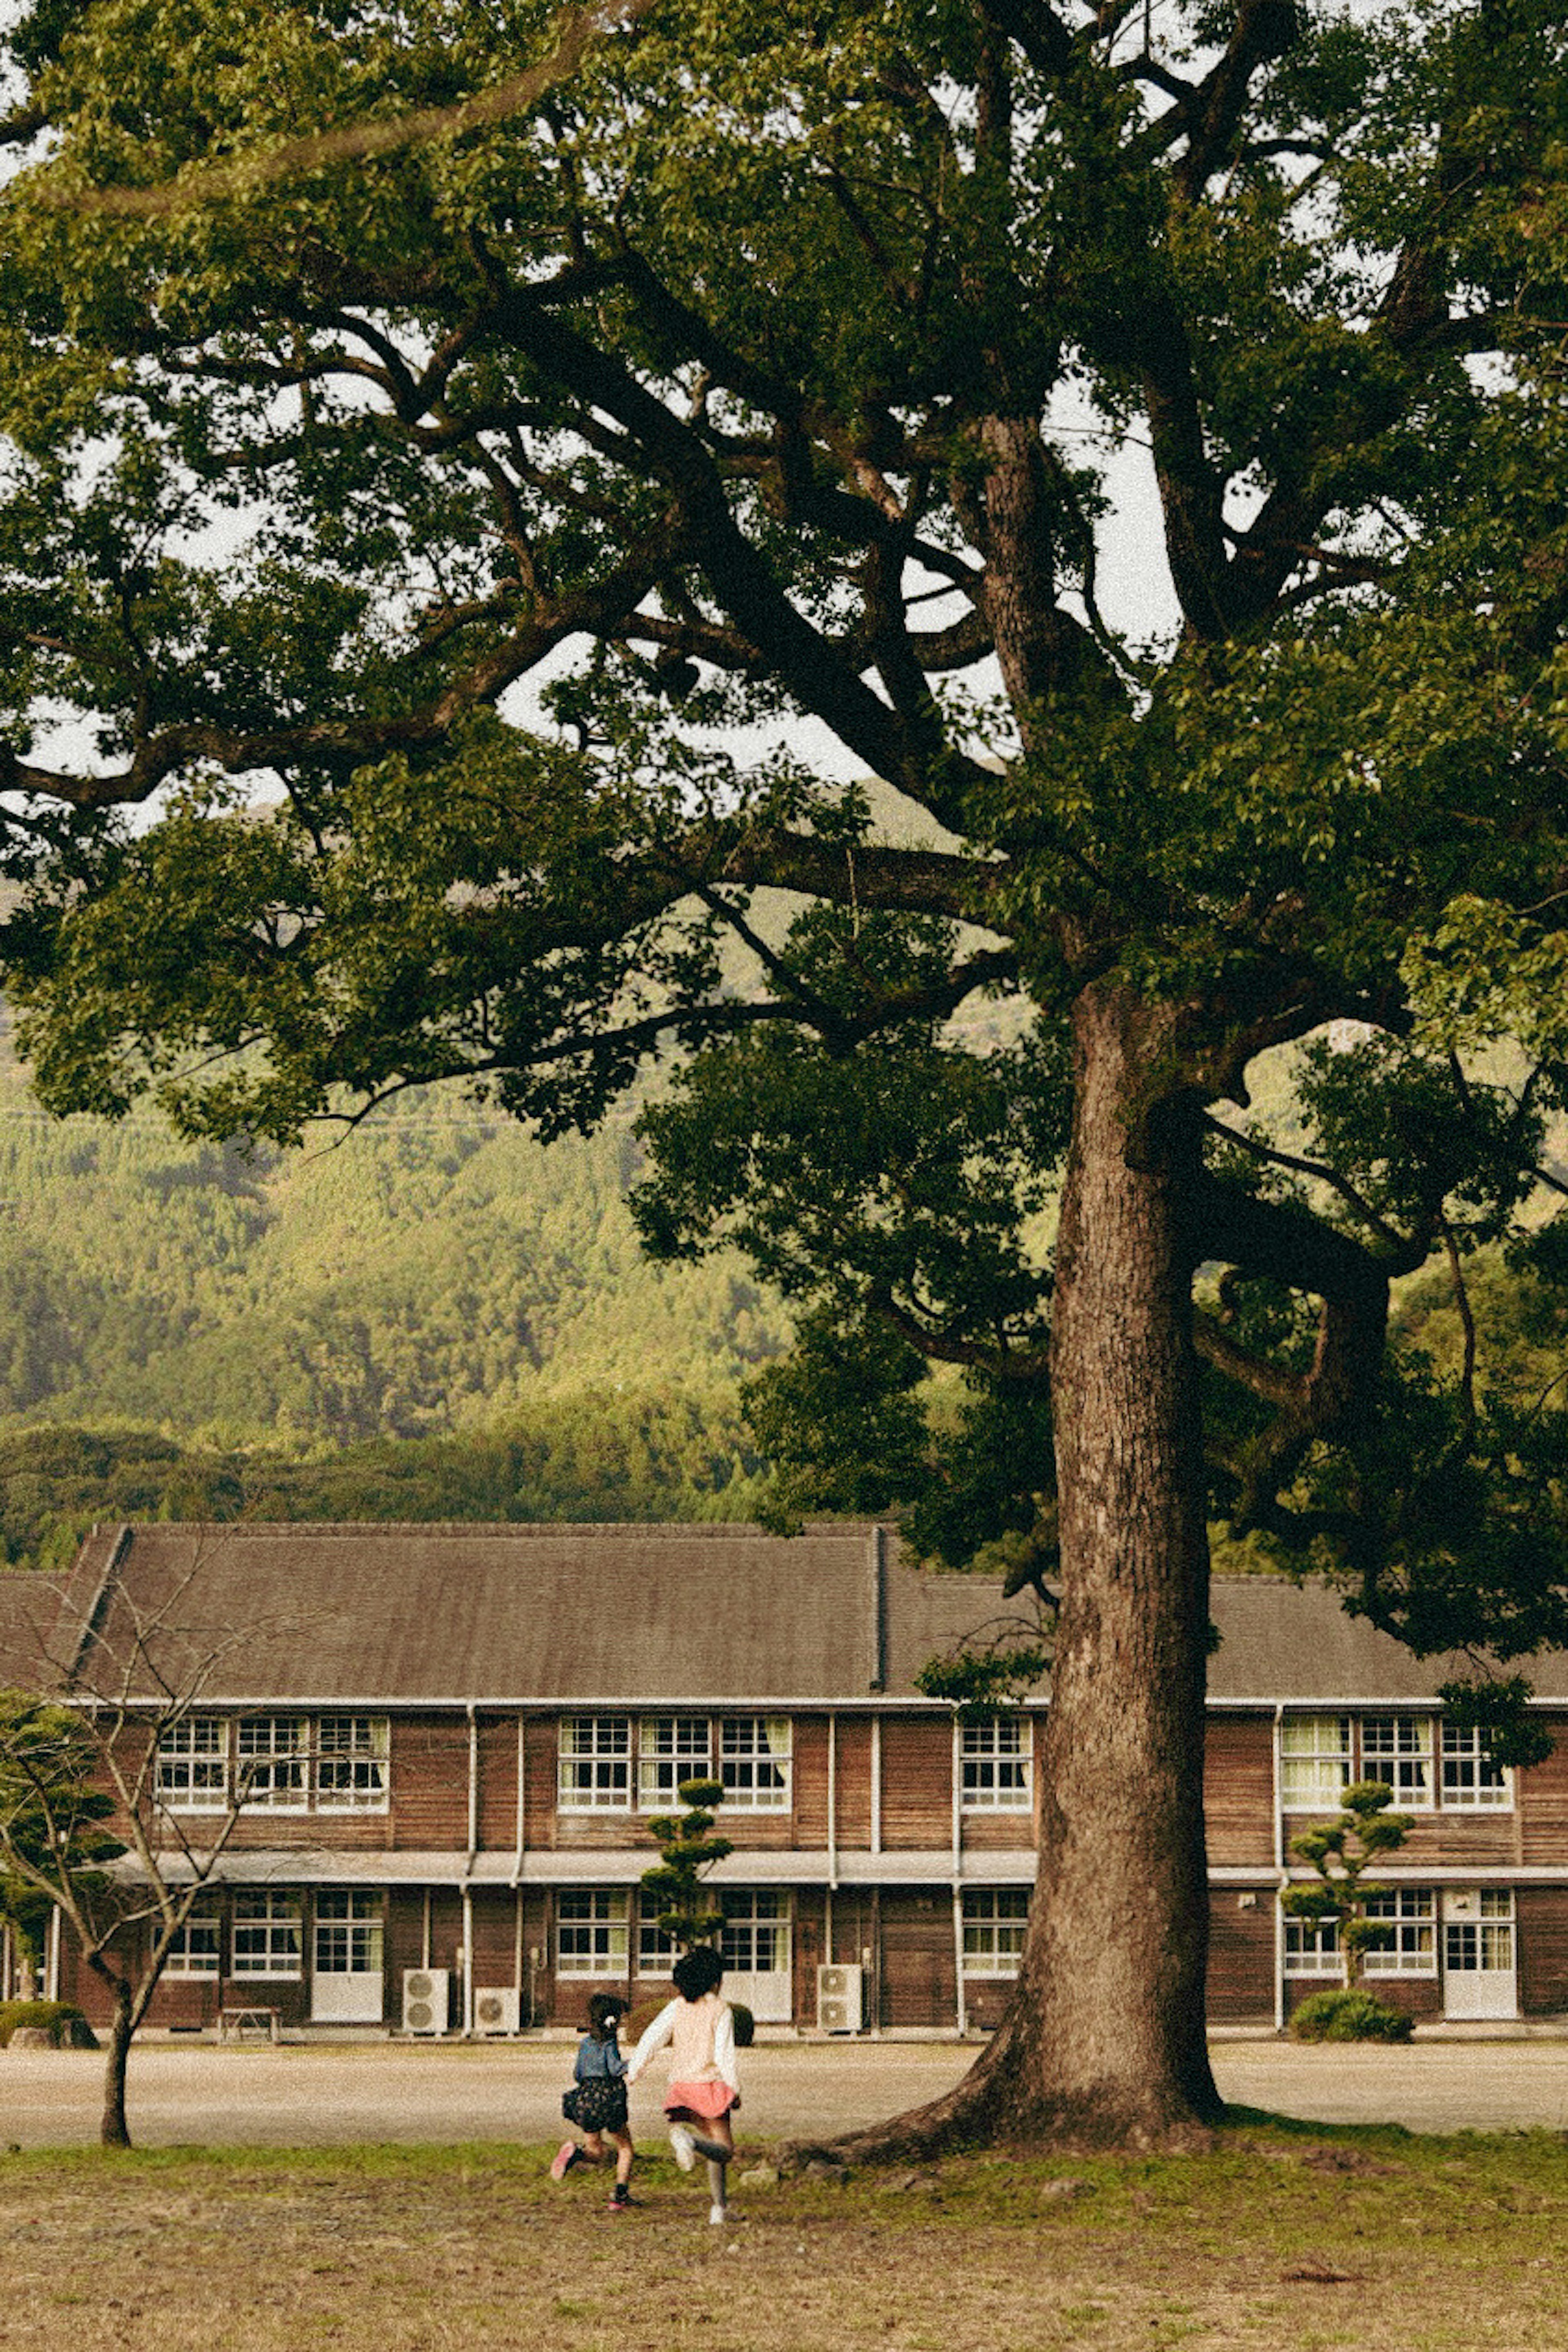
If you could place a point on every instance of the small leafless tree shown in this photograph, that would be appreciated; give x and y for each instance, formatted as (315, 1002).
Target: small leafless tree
(113, 1687)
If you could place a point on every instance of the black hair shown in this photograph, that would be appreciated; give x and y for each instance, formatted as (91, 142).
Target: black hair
(605, 2015)
(697, 1972)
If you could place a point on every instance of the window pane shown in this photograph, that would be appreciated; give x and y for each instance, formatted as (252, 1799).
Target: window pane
(993, 1765)
(272, 1755)
(754, 1760)
(192, 1770)
(350, 1762)
(590, 1936)
(1397, 1750)
(1314, 1762)
(267, 1940)
(194, 1950)
(671, 1748)
(995, 1920)
(595, 1770)
(1470, 1779)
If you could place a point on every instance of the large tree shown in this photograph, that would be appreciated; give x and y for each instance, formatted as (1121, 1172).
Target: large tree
(1134, 435)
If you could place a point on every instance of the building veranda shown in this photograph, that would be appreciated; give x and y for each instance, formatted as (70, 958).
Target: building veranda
(452, 1740)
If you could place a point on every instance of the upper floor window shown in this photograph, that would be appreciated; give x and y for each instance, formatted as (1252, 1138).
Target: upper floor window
(1425, 1767)
(1315, 1762)
(1397, 1750)
(351, 1763)
(191, 1773)
(277, 1763)
(671, 1748)
(273, 1754)
(595, 1768)
(1470, 1779)
(993, 1764)
(754, 1758)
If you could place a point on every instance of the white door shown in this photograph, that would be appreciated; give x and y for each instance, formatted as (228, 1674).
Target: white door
(756, 1948)
(1480, 1976)
(347, 1980)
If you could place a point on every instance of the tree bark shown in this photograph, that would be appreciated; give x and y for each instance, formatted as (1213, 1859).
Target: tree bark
(114, 2131)
(1103, 2041)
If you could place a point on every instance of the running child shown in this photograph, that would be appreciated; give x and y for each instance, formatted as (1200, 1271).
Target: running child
(705, 2086)
(596, 2101)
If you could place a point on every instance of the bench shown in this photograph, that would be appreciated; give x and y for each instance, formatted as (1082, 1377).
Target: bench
(251, 2017)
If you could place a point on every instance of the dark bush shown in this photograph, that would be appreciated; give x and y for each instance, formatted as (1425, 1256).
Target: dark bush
(1349, 2013)
(67, 2027)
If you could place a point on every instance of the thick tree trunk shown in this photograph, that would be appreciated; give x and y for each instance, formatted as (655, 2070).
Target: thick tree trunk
(1103, 2041)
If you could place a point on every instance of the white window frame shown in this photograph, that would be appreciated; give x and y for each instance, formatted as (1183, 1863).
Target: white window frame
(268, 1936)
(671, 1748)
(656, 1952)
(1312, 1948)
(196, 1953)
(1400, 1757)
(995, 1764)
(591, 1931)
(756, 1913)
(1412, 1913)
(593, 1764)
(1315, 1762)
(351, 1763)
(349, 1926)
(191, 1773)
(1471, 1782)
(994, 1923)
(272, 1763)
(756, 1762)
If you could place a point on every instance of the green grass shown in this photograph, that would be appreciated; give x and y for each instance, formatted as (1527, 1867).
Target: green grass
(1287, 2235)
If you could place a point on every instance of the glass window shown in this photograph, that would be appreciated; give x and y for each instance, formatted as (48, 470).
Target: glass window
(348, 1934)
(267, 1940)
(993, 1764)
(656, 1952)
(1397, 1750)
(1312, 1948)
(594, 1768)
(194, 1950)
(192, 1769)
(1314, 1762)
(755, 1938)
(351, 1763)
(994, 1920)
(1411, 1913)
(1470, 1779)
(754, 1761)
(671, 1748)
(591, 1927)
(272, 1754)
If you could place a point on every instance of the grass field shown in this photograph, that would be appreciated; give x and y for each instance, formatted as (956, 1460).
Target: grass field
(1307, 2236)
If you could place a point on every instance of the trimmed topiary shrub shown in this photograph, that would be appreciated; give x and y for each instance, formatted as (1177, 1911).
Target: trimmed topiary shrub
(67, 2027)
(1350, 2014)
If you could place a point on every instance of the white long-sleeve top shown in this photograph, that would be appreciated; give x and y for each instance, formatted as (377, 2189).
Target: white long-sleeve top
(701, 2039)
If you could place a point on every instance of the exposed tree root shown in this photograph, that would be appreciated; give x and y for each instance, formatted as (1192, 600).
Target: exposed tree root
(973, 2115)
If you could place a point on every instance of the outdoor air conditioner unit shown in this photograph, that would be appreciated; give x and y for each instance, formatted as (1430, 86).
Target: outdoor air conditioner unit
(426, 1999)
(840, 1999)
(498, 2009)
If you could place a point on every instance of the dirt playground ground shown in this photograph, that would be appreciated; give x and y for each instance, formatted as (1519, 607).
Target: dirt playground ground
(253, 2095)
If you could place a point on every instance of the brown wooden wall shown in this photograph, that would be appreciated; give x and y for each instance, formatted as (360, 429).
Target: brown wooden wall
(917, 1783)
(1543, 1933)
(1239, 1789)
(919, 1984)
(1241, 1956)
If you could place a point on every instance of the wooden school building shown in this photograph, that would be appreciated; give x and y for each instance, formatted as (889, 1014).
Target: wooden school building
(449, 1742)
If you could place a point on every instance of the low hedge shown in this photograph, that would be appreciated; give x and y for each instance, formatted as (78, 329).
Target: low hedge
(66, 2028)
(1349, 2013)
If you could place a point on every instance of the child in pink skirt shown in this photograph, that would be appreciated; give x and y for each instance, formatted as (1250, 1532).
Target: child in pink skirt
(704, 2087)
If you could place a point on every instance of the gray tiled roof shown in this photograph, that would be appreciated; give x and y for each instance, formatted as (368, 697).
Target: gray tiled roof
(401, 1614)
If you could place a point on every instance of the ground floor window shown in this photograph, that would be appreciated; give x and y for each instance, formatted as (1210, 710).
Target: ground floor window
(348, 1934)
(266, 1938)
(1484, 1942)
(1410, 1915)
(755, 1936)
(195, 1948)
(994, 1920)
(591, 1927)
(1312, 1948)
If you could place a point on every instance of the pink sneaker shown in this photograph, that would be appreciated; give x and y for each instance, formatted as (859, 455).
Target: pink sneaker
(564, 2158)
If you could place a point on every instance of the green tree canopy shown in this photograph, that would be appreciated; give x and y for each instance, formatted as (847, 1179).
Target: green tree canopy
(465, 419)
